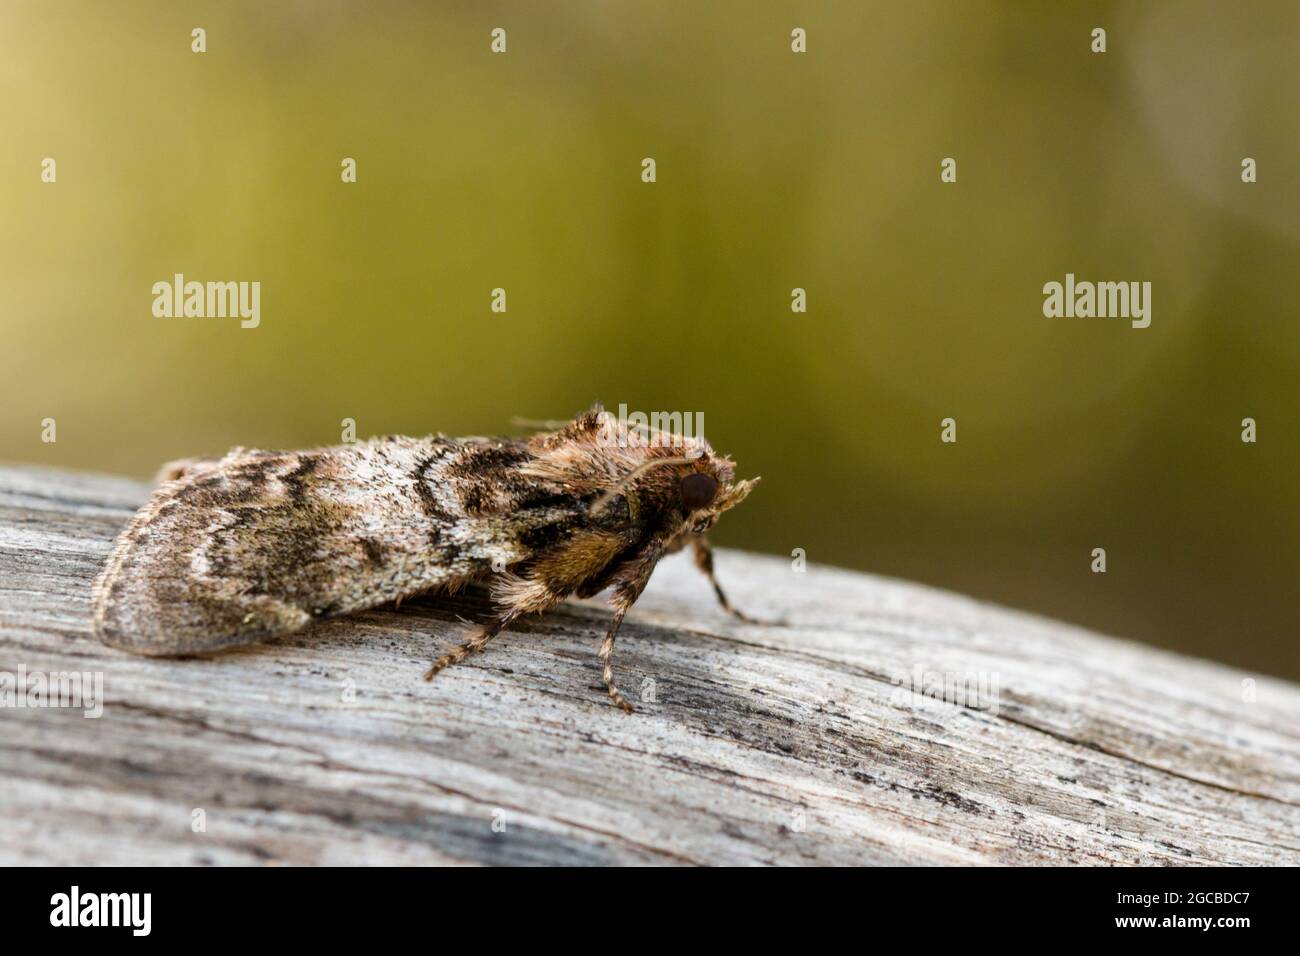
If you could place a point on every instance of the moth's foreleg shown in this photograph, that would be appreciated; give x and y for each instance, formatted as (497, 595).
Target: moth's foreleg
(704, 561)
(607, 652)
(477, 641)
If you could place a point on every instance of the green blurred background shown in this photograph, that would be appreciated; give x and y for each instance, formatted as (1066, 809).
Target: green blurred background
(775, 170)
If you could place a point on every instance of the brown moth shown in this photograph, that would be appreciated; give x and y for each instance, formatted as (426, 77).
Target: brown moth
(259, 544)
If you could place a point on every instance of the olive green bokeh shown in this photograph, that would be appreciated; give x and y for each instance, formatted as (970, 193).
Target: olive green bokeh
(775, 170)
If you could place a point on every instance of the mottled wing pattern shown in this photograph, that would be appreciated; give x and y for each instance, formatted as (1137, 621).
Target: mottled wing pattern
(259, 544)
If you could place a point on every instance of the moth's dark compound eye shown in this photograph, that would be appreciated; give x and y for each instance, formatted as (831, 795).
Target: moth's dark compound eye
(698, 491)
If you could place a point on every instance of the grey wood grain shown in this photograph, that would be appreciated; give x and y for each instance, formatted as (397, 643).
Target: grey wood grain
(753, 744)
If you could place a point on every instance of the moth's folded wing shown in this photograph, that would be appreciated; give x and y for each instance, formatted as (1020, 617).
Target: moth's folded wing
(260, 546)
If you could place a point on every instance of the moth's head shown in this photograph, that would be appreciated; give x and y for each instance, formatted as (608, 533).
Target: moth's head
(705, 489)
(682, 494)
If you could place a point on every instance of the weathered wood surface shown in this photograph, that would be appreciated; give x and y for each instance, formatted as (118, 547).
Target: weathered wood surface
(792, 744)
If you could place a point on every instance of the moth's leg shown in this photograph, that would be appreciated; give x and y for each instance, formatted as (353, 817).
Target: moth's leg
(477, 641)
(704, 561)
(606, 652)
(628, 585)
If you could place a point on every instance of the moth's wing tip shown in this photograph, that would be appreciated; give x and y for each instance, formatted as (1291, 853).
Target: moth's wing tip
(116, 628)
(137, 620)
(135, 644)
(149, 641)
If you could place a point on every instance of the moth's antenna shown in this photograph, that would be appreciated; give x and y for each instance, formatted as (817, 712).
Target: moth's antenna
(608, 494)
(536, 424)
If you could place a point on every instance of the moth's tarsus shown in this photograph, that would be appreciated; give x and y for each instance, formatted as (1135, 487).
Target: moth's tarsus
(259, 544)
(477, 641)
(606, 653)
